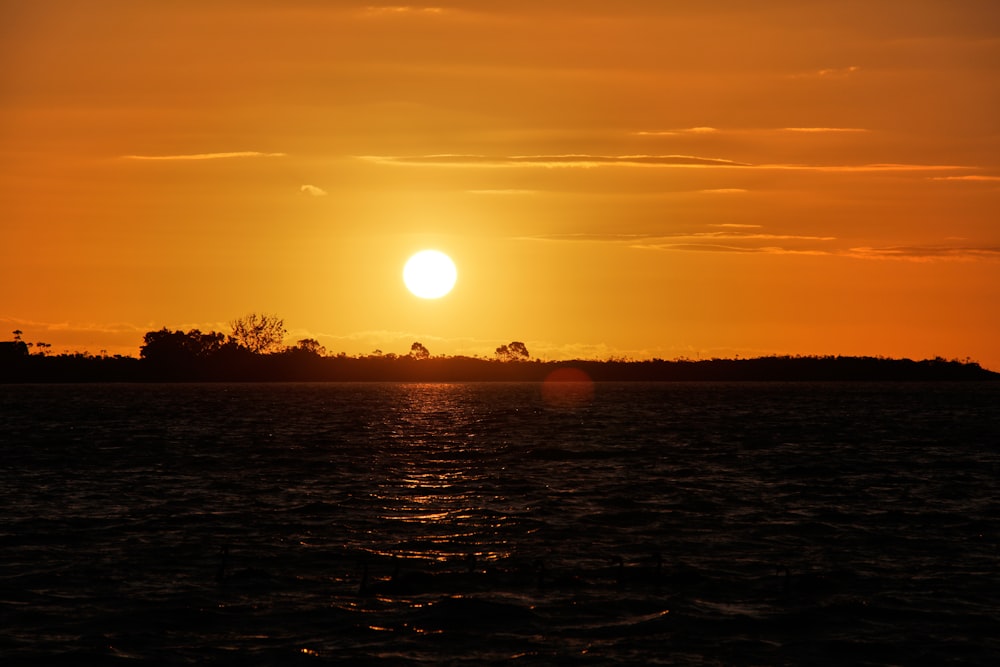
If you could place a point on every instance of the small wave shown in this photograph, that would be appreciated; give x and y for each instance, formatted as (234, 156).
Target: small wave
(460, 613)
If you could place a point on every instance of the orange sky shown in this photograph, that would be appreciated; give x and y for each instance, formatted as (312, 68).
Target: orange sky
(642, 179)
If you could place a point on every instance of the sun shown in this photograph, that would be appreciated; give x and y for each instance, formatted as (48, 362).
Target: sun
(429, 274)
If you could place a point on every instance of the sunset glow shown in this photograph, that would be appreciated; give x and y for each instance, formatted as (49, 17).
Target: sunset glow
(639, 179)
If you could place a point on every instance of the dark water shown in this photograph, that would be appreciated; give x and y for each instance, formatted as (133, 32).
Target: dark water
(472, 524)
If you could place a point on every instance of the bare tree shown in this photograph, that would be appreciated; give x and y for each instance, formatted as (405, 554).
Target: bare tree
(259, 333)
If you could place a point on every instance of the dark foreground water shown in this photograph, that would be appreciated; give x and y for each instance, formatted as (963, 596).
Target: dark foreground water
(472, 524)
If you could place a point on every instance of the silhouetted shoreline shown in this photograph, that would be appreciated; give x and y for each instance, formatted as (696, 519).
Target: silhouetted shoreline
(293, 365)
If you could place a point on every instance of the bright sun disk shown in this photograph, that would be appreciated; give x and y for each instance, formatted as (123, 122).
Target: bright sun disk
(429, 274)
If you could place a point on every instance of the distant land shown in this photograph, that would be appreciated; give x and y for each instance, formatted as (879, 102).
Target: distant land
(234, 364)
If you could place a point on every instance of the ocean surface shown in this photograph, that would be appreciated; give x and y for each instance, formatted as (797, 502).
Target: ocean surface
(500, 524)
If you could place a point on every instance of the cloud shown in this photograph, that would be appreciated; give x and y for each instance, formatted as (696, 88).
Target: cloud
(684, 161)
(582, 237)
(398, 342)
(723, 191)
(829, 73)
(839, 71)
(80, 327)
(732, 239)
(312, 190)
(747, 131)
(728, 240)
(671, 133)
(508, 191)
(817, 130)
(699, 247)
(927, 253)
(863, 167)
(203, 156)
(708, 238)
(969, 177)
(572, 160)
(70, 337)
(576, 351)
(401, 10)
(657, 133)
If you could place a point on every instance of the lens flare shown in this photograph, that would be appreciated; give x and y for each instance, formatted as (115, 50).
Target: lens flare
(567, 388)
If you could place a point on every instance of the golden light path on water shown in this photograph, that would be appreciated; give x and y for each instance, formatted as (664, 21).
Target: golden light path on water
(434, 486)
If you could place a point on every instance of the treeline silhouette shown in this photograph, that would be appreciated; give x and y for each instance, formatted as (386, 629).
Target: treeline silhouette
(176, 356)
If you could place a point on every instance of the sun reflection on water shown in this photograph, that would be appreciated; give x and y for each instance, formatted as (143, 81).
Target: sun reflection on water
(436, 486)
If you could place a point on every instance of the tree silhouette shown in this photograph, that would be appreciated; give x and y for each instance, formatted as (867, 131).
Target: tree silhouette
(165, 346)
(310, 346)
(515, 351)
(418, 351)
(259, 333)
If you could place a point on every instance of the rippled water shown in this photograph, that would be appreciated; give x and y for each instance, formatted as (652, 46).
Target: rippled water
(471, 524)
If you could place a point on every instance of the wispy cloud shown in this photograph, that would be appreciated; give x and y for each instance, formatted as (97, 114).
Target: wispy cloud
(745, 238)
(731, 239)
(829, 72)
(672, 133)
(401, 10)
(204, 156)
(968, 177)
(927, 253)
(839, 71)
(399, 341)
(818, 130)
(863, 167)
(572, 160)
(743, 249)
(94, 337)
(708, 131)
(723, 191)
(508, 191)
(729, 236)
(683, 161)
(91, 327)
(312, 190)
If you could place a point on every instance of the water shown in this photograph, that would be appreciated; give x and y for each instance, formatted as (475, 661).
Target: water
(477, 524)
